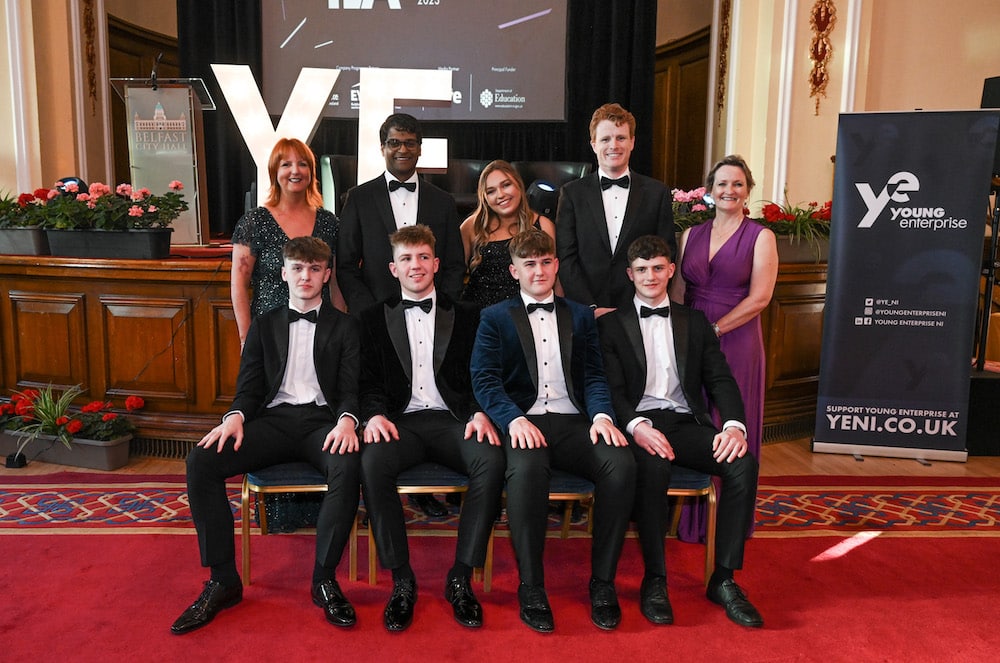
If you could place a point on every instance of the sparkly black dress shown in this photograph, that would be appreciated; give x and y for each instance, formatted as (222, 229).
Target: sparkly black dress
(491, 281)
(259, 230)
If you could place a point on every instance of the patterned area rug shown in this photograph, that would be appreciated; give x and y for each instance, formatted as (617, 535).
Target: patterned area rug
(786, 506)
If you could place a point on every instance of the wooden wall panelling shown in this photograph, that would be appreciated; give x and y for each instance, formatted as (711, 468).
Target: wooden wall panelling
(147, 347)
(160, 329)
(49, 339)
(680, 106)
(793, 331)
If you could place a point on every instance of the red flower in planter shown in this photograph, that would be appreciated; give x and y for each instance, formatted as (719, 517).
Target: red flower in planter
(134, 403)
(74, 426)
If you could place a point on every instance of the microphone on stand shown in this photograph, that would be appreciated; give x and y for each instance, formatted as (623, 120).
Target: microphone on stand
(152, 76)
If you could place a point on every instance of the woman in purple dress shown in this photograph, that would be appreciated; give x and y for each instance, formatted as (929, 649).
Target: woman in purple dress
(728, 267)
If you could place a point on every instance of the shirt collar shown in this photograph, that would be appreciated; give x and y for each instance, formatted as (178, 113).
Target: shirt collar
(389, 177)
(601, 173)
(638, 303)
(528, 299)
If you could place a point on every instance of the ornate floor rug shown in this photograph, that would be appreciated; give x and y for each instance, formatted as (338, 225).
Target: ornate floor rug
(786, 506)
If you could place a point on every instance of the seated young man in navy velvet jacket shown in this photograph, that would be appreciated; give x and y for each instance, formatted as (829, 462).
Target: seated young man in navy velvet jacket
(660, 358)
(537, 372)
(296, 400)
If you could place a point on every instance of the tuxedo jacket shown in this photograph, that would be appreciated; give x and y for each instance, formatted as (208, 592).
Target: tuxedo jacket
(387, 371)
(364, 252)
(590, 272)
(701, 366)
(505, 368)
(336, 354)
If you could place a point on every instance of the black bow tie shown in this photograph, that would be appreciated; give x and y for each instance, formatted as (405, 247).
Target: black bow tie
(294, 316)
(607, 183)
(645, 311)
(550, 306)
(424, 304)
(409, 186)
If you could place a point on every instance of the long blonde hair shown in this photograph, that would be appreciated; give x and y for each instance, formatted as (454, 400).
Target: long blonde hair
(486, 220)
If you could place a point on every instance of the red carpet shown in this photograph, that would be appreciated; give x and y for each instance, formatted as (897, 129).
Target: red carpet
(100, 598)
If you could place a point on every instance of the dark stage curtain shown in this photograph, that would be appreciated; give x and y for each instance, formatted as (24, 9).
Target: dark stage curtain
(610, 57)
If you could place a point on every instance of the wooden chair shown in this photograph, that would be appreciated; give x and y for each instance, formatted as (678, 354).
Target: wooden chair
(686, 483)
(430, 478)
(570, 488)
(284, 478)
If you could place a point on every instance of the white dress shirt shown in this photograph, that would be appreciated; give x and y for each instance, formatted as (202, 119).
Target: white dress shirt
(404, 202)
(300, 385)
(615, 200)
(553, 394)
(424, 392)
(663, 386)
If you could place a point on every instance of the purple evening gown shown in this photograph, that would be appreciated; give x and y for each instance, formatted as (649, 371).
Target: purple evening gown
(715, 287)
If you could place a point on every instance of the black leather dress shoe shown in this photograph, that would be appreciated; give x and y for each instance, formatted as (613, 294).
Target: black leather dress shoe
(654, 602)
(604, 609)
(399, 610)
(731, 597)
(214, 598)
(467, 610)
(535, 610)
(429, 505)
(339, 611)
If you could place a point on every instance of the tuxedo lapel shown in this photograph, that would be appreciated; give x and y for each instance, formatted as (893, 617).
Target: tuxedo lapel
(384, 207)
(564, 323)
(395, 324)
(681, 329)
(632, 207)
(444, 325)
(519, 316)
(595, 205)
(630, 321)
(279, 327)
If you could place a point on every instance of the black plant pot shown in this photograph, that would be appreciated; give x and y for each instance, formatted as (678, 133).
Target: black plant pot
(16, 460)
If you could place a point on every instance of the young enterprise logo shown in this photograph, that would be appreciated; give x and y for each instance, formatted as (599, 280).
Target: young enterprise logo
(897, 190)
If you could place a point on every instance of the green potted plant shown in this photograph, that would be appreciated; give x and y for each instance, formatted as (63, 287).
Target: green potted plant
(20, 225)
(92, 436)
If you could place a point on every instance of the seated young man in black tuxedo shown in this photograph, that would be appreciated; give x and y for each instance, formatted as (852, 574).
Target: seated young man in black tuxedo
(660, 358)
(537, 372)
(417, 404)
(296, 399)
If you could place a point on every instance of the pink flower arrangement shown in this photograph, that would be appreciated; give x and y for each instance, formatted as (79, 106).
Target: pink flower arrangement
(68, 206)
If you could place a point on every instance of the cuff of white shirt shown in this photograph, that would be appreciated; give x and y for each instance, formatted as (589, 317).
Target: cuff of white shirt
(735, 424)
(357, 422)
(239, 412)
(630, 428)
(601, 415)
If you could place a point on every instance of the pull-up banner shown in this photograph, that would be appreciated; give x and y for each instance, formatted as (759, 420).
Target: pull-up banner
(911, 192)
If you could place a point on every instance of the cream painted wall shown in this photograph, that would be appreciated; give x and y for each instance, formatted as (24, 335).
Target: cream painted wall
(156, 16)
(909, 54)
(56, 112)
(931, 55)
(8, 163)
